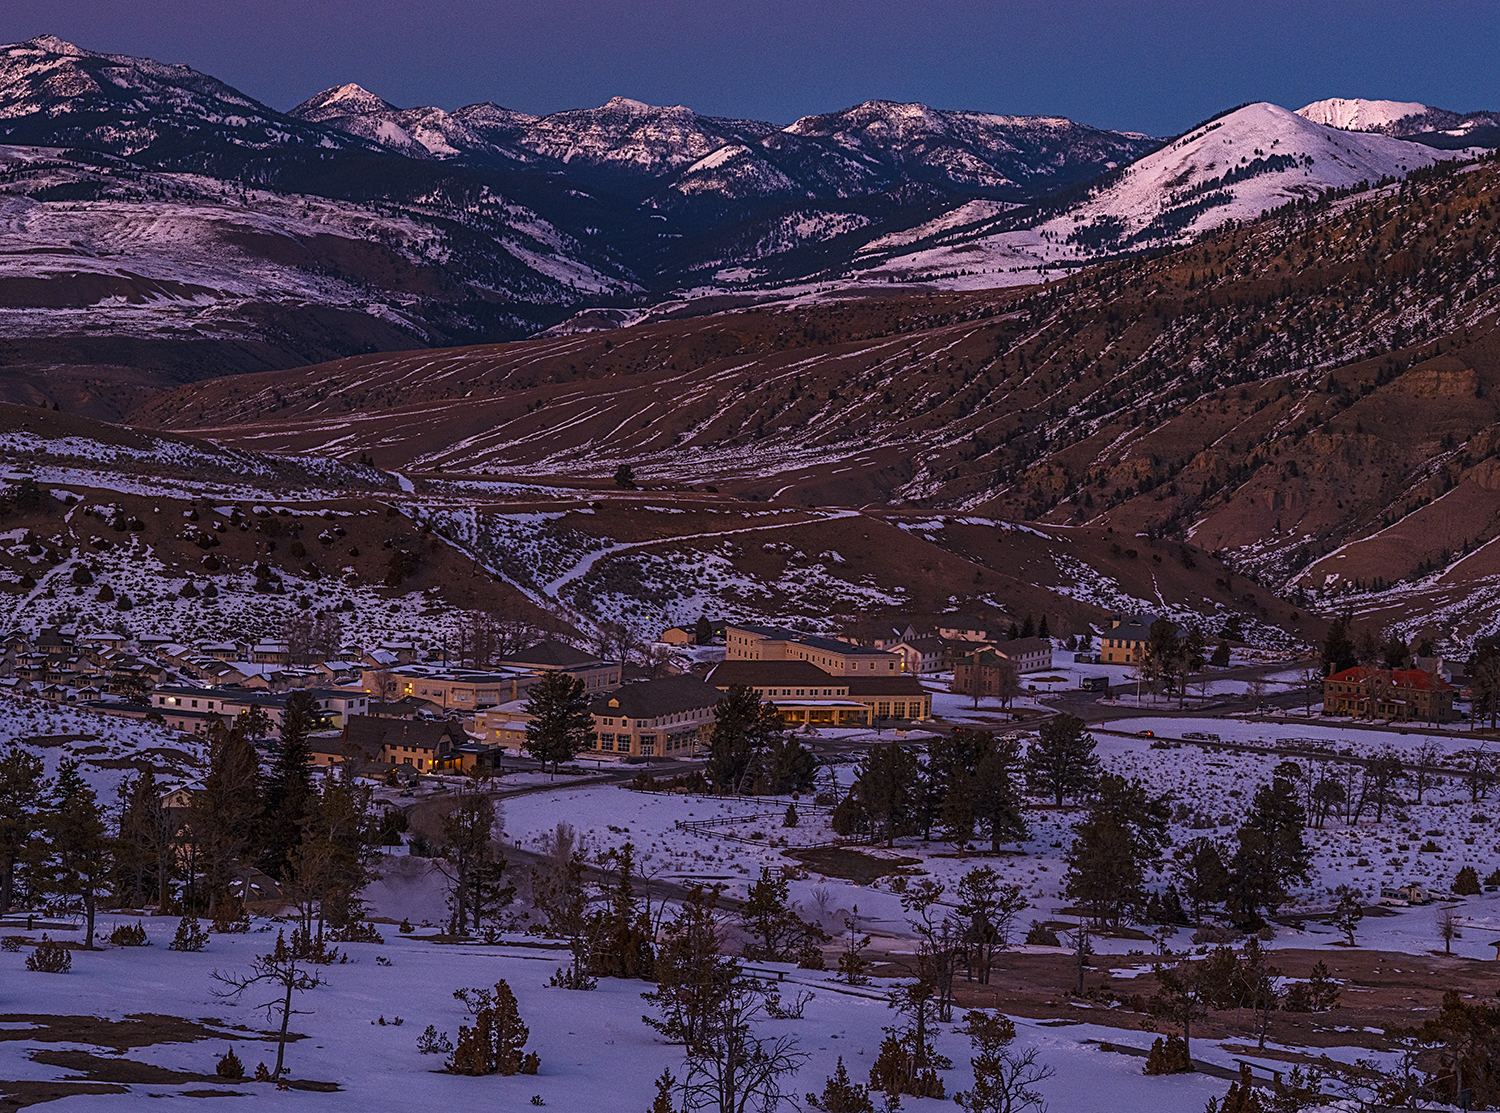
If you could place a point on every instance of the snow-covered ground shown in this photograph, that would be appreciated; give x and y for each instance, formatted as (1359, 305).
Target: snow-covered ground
(596, 1053)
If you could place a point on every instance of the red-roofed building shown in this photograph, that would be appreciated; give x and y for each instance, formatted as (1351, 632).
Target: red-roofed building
(1399, 695)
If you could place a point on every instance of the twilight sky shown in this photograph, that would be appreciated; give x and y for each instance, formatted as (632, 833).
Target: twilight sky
(1149, 65)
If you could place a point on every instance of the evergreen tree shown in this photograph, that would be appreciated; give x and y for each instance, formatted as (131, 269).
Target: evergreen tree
(1061, 761)
(1271, 852)
(744, 728)
(703, 631)
(887, 786)
(620, 931)
(225, 814)
(786, 765)
(496, 1042)
(990, 909)
(1104, 875)
(1004, 1080)
(560, 723)
(1028, 628)
(1338, 648)
(22, 788)
(840, 1094)
(1203, 876)
(288, 785)
(997, 804)
(143, 851)
(692, 976)
(77, 847)
(1220, 659)
(1042, 630)
(777, 933)
(665, 1083)
(472, 861)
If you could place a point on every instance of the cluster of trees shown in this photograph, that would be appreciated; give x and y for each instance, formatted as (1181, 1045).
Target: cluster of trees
(1170, 658)
(1344, 647)
(752, 751)
(967, 780)
(60, 845)
(1125, 832)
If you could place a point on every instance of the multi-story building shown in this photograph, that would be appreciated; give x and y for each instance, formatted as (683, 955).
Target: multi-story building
(773, 643)
(448, 688)
(805, 693)
(1394, 695)
(1027, 654)
(655, 718)
(1124, 643)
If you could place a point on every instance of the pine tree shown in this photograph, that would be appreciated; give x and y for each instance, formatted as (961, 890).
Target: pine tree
(22, 788)
(662, 1103)
(1271, 852)
(288, 785)
(225, 813)
(560, 723)
(495, 1044)
(840, 1094)
(1004, 1080)
(1061, 761)
(749, 749)
(1042, 630)
(77, 847)
(997, 805)
(1338, 648)
(886, 785)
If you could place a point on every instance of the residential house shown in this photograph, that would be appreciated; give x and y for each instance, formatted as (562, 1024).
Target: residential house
(1124, 643)
(984, 673)
(967, 628)
(655, 718)
(423, 746)
(1393, 695)
(504, 725)
(772, 643)
(923, 656)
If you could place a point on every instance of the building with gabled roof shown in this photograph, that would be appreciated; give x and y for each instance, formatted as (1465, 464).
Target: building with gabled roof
(652, 718)
(1392, 695)
(745, 642)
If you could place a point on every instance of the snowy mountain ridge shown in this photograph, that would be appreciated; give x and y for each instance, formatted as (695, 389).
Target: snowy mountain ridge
(1401, 119)
(1236, 167)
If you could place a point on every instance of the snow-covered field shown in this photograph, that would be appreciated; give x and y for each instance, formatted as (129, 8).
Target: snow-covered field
(595, 1050)
(596, 1053)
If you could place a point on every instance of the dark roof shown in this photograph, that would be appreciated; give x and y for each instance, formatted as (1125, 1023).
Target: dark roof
(812, 641)
(1021, 646)
(929, 644)
(903, 684)
(370, 733)
(764, 674)
(650, 699)
(553, 654)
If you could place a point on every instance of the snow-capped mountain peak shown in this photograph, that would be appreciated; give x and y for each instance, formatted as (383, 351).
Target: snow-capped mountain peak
(1360, 115)
(343, 100)
(1235, 167)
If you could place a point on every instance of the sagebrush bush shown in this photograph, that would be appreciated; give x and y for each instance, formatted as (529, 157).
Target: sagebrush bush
(50, 957)
(229, 1066)
(129, 935)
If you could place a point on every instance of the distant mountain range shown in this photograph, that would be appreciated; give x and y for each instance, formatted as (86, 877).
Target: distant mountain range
(155, 218)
